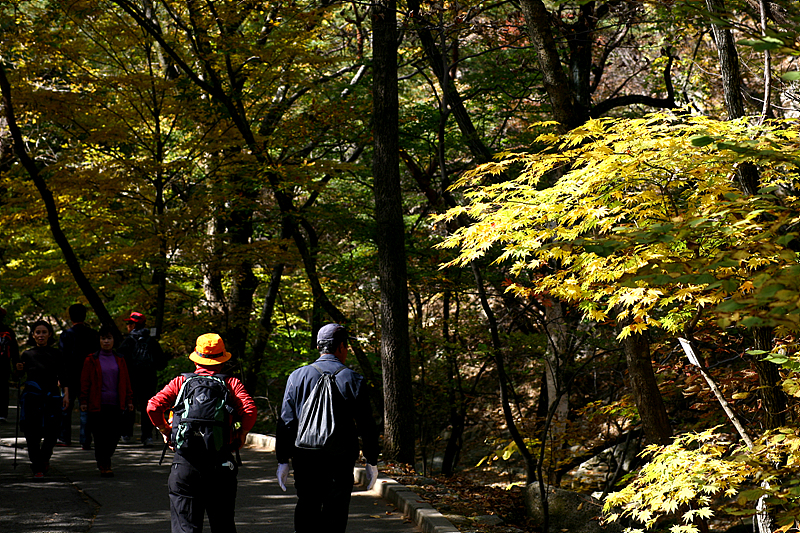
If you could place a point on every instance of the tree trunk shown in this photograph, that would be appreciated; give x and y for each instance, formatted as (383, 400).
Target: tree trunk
(530, 462)
(655, 422)
(567, 111)
(395, 355)
(52, 211)
(773, 399)
(558, 359)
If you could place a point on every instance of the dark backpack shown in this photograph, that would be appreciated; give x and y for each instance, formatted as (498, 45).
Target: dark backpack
(141, 356)
(316, 423)
(202, 416)
(40, 411)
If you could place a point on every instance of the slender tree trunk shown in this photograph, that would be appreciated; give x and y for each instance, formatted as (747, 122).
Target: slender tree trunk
(52, 212)
(437, 59)
(558, 359)
(502, 378)
(655, 422)
(772, 396)
(395, 355)
(566, 109)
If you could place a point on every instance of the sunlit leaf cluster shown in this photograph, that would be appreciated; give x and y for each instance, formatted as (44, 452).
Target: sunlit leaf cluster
(644, 218)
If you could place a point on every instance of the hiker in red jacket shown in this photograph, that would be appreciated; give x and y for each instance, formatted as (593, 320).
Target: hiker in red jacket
(203, 474)
(105, 394)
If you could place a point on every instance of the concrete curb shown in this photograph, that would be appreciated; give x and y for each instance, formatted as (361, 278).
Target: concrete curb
(422, 514)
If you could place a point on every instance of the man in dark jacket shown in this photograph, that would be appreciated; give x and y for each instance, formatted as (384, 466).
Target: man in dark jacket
(144, 358)
(75, 344)
(9, 355)
(324, 478)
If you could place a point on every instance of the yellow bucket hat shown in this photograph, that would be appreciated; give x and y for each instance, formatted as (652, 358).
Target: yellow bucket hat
(209, 350)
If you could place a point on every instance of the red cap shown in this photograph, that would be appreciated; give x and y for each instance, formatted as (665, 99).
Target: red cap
(135, 317)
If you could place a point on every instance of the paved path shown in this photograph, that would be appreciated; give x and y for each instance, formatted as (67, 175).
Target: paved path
(74, 498)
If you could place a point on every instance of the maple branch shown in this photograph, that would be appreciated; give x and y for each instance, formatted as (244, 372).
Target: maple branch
(622, 101)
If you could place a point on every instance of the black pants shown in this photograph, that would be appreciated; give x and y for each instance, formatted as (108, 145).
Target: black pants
(40, 449)
(5, 375)
(202, 486)
(40, 422)
(105, 426)
(66, 417)
(324, 483)
(143, 383)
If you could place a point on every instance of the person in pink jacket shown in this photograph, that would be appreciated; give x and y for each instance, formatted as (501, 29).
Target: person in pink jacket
(105, 394)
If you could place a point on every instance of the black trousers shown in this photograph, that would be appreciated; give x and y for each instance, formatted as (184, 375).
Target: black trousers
(40, 449)
(5, 375)
(105, 426)
(323, 483)
(66, 417)
(143, 383)
(199, 486)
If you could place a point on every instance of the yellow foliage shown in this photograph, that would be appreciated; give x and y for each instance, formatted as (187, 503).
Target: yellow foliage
(645, 220)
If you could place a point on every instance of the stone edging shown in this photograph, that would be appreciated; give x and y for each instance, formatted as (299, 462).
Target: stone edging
(421, 513)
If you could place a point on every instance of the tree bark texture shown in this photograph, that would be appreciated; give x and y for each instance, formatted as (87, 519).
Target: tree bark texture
(773, 399)
(395, 353)
(558, 359)
(772, 396)
(567, 111)
(655, 422)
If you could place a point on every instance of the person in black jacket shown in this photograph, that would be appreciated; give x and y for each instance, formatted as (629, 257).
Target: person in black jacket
(9, 354)
(324, 478)
(41, 402)
(75, 344)
(144, 357)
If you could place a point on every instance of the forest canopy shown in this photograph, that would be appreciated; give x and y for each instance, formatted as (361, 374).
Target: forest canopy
(517, 208)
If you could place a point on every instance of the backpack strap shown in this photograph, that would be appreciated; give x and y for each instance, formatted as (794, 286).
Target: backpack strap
(318, 369)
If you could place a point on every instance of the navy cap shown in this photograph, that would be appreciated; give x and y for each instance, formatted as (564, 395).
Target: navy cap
(332, 332)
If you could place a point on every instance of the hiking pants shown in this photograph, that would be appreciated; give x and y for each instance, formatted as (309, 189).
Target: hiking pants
(143, 383)
(40, 449)
(105, 426)
(5, 375)
(66, 417)
(199, 487)
(323, 483)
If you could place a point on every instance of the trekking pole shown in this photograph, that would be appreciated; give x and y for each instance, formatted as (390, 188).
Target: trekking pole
(16, 425)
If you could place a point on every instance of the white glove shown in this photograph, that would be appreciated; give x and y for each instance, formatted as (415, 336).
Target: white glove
(283, 475)
(372, 476)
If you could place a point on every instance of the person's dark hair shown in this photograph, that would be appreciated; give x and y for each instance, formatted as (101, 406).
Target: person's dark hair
(46, 324)
(105, 331)
(329, 337)
(77, 312)
(329, 346)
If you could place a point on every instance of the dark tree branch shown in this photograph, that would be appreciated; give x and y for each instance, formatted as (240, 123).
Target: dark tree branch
(661, 103)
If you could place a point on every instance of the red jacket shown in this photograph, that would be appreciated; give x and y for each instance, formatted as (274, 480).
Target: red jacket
(164, 400)
(92, 380)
